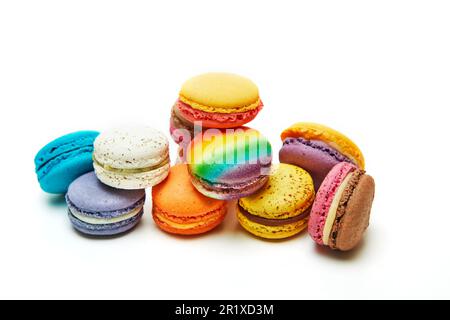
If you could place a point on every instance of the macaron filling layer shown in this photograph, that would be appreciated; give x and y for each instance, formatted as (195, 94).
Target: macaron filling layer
(161, 164)
(105, 220)
(331, 216)
(215, 119)
(324, 198)
(209, 218)
(318, 145)
(205, 108)
(230, 188)
(189, 113)
(342, 207)
(104, 214)
(271, 232)
(273, 222)
(107, 229)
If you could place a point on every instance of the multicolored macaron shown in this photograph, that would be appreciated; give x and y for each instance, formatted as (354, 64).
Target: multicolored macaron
(99, 210)
(63, 160)
(317, 148)
(340, 214)
(229, 164)
(214, 100)
(180, 209)
(131, 157)
(281, 208)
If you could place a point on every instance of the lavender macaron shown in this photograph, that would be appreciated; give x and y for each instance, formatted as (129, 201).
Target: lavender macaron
(99, 210)
(317, 149)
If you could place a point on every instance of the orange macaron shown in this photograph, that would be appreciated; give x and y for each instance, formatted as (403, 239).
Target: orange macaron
(180, 209)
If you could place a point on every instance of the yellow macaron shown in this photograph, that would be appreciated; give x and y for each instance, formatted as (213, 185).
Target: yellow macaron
(220, 93)
(335, 139)
(281, 208)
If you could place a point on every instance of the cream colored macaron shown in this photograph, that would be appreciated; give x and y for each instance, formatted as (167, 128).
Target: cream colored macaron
(131, 157)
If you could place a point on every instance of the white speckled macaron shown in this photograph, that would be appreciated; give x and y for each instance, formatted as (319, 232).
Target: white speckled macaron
(131, 157)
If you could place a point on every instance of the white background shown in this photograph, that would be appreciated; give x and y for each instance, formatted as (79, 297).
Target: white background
(378, 71)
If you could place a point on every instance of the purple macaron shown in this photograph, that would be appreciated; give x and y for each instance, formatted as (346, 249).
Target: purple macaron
(99, 210)
(315, 156)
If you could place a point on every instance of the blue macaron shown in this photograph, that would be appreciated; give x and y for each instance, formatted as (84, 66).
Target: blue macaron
(99, 210)
(63, 160)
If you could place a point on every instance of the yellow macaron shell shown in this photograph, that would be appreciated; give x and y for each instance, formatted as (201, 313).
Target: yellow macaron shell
(288, 193)
(338, 141)
(271, 232)
(221, 93)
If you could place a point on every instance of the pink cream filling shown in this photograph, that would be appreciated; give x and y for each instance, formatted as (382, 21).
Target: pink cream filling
(197, 115)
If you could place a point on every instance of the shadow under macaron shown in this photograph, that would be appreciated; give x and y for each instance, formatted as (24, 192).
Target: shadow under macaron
(56, 200)
(349, 255)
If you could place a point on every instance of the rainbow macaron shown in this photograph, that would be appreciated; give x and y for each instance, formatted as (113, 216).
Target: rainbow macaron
(340, 214)
(131, 157)
(317, 148)
(281, 208)
(229, 164)
(180, 209)
(214, 100)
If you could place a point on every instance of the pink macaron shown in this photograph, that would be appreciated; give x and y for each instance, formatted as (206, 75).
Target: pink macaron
(341, 211)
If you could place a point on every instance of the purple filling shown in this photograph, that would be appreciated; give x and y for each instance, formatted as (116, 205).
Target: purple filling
(319, 145)
(314, 156)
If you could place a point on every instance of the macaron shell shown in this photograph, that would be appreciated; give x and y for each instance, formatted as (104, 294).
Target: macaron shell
(190, 203)
(324, 198)
(220, 92)
(64, 171)
(271, 232)
(63, 160)
(192, 212)
(354, 222)
(63, 145)
(131, 147)
(223, 157)
(132, 181)
(315, 161)
(88, 194)
(338, 141)
(288, 192)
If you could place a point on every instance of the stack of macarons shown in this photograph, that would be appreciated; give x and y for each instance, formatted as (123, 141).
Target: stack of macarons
(104, 175)
(212, 101)
(320, 184)
(340, 213)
